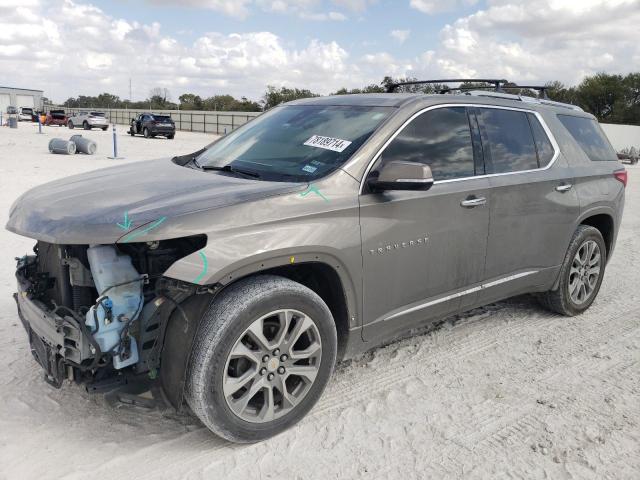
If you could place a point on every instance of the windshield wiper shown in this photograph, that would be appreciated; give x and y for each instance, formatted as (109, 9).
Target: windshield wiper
(230, 169)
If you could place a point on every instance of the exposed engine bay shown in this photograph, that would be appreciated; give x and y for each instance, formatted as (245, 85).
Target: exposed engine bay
(101, 309)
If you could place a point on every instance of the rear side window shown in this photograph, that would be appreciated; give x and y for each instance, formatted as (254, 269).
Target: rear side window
(507, 134)
(590, 137)
(440, 138)
(543, 144)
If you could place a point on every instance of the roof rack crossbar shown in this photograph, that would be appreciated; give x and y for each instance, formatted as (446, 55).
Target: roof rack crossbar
(497, 83)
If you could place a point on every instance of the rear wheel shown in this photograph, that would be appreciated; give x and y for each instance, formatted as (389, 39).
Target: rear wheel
(170, 137)
(104, 129)
(580, 275)
(263, 355)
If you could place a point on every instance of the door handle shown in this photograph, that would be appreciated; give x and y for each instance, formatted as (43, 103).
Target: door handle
(565, 187)
(471, 202)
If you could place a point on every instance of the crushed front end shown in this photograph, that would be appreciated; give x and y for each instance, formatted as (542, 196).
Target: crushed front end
(97, 313)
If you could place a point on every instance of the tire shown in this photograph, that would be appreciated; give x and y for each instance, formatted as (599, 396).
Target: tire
(70, 125)
(225, 328)
(561, 300)
(145, 132)
(85, 125)
(104, 129)
(170, 137)
(131, 132)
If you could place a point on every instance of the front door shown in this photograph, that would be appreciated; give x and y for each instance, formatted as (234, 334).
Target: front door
(425, 250)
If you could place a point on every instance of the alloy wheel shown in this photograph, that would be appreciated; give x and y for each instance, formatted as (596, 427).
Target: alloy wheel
(584, 272)
(272, 366)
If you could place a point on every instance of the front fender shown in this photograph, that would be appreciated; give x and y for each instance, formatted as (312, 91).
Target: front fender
(281, 230)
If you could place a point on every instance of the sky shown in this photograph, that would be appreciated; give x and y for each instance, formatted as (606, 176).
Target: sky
(207, 47)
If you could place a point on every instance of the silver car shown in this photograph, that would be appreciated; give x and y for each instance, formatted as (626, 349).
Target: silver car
(88, 120)
(237, 275)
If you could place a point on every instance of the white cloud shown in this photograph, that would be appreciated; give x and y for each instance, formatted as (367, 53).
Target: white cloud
(542, 40)
(438, 6)
(305, 9)
(335, 16)
(85, 50)
(233, 8)
(354, 5)
(80, 49)
(400, 35)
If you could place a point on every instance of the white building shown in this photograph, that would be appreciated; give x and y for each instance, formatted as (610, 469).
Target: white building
(622, 136)
(20, 97)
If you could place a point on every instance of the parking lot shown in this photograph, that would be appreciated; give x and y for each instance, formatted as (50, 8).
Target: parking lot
(506, 391)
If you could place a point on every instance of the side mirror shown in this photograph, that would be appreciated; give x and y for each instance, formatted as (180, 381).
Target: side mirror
(400, 175)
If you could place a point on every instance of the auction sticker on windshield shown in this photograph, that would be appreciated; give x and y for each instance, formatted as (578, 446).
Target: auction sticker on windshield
(328, 143)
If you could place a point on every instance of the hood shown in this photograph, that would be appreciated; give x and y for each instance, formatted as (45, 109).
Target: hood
(106, 205)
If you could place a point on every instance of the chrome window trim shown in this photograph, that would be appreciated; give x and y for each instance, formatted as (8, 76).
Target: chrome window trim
(545, 127)
(484, 286)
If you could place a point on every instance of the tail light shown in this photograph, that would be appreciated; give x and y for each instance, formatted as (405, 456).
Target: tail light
(621, 176)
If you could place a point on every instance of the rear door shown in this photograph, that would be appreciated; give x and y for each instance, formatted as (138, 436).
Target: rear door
(423, 250)
(533, 201)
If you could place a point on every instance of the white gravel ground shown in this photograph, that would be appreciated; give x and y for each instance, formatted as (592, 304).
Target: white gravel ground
(508, 391)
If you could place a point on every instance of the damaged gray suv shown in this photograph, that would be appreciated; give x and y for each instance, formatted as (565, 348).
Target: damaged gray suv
(229, 281)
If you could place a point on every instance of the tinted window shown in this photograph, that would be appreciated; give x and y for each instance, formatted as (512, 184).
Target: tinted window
(590, 137)
(440, 138)
(507, 135)
(296, 142)
(543, 144)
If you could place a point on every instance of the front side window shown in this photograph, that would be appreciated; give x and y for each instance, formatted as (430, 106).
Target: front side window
(297, 143)
(590, 137)
(440, 138)
(507, 140)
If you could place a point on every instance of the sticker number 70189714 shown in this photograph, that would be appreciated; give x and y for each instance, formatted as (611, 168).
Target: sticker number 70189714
(328, 143)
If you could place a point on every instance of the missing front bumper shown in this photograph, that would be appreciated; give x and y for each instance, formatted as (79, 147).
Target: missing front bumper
(55, 339)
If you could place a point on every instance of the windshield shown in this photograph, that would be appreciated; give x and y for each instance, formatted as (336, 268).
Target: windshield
(296, 142)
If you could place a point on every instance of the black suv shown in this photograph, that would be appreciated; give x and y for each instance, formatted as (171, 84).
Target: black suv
(151, 125)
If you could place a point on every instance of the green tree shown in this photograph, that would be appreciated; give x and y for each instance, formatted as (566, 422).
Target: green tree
(273, 96)
(189, 101)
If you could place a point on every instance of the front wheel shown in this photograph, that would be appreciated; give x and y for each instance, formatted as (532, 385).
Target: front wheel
(104, 129)
(70, 125)
(146, 132)
(263, 354)
(85, 125)
(580, 275)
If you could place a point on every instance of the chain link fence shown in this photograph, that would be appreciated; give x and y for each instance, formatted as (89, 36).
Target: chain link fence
(186, 120)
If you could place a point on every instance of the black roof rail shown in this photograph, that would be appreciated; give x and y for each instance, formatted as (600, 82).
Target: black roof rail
(497, 84)
(541, 89)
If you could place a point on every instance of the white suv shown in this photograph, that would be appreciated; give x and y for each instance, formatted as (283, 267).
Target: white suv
(89, 120)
